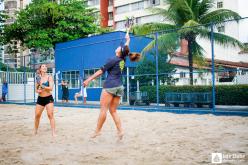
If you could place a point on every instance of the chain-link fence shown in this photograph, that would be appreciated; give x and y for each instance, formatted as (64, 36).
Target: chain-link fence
(19, 73)
(192, 67)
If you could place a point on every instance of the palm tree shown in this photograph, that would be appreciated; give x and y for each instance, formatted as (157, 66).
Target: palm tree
(181, 14)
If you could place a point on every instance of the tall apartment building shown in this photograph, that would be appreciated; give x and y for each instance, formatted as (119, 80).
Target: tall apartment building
(13, 59)
(114, 12)
(1, 47)
(233, 29)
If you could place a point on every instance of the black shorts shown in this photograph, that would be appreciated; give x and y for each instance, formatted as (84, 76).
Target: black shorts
(65, 96)
(4, 96)
(43, 101)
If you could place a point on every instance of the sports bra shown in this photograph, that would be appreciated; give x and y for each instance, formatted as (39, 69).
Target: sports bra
(46, 83)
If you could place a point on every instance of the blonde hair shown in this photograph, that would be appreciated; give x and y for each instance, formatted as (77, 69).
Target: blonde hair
(38, 70)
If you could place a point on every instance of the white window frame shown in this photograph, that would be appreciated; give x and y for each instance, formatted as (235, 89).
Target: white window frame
(121, 9)
(221, 29)
(220, 4)
(77, 85)
(111, 15)
(98, 80)
(155, 2)
(182, 75)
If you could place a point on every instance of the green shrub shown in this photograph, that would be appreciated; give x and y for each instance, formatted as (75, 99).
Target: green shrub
(225, 94)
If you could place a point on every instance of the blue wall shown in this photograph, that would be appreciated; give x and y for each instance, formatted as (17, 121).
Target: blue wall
(92, 52)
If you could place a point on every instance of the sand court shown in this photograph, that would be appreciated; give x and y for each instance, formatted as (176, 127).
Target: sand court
(150, 138)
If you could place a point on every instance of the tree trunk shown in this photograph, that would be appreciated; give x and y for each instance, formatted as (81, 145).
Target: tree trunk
(190, 58)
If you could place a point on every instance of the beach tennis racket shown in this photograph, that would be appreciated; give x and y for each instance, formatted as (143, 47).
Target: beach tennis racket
(129, 22)
(38, 80)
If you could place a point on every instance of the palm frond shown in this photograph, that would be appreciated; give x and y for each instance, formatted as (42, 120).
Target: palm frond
(245, 48)
(198, 54)
(198, 50)
(189, 27)
(219, 16)
(205, 6)
(187, 7)
(151, 28)
(168, 16)
(223, 39)
(194, 5)
(181, 11)
(166, 43)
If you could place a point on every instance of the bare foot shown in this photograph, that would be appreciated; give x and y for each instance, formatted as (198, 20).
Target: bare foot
(120, 135)
(95, 134)
(54, 134)
(35, 132)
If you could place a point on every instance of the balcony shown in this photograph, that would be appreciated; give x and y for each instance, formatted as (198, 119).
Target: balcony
(10, 5)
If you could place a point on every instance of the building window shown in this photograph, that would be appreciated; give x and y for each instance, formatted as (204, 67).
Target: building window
(195, 81)
(155, 2)
(244, 72)
(122, 9)
(137, 6)
(10, 5)
(96, 83)
(138, 20)
(151, 18)
(220, 4)
(182, 75)
(110, 2)
(97, 15)
(200, 74)
(93, 2)
(110, 15)
(72, 77)
(120, 25)
(221, 29)
(21, 4)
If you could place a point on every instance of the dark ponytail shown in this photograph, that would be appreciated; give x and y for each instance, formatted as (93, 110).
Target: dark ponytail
(135, 57)
(124, 52)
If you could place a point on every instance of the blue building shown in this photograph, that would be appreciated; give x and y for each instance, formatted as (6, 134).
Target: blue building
(78, 59)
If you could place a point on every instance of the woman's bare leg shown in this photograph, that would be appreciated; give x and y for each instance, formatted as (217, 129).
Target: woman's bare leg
(104, 102)
(38, 111)
(76, 101)
(112, 109)
(50, 109)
